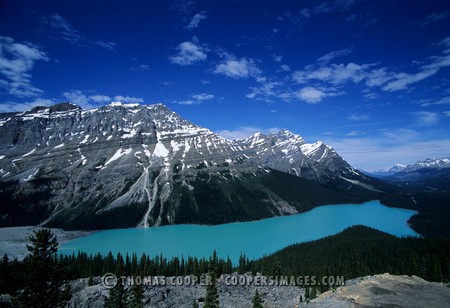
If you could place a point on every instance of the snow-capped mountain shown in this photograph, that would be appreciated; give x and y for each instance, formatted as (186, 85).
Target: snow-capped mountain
(388, 171)
(428, 163)
(430, 174)
(128, 164)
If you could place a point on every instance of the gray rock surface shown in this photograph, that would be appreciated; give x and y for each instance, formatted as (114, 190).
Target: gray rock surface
(183, 296)
(385, 290)
(127, 165)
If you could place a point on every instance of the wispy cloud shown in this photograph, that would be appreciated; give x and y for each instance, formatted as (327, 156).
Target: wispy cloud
(311, 95)
(84, 101)
(16, 62)
(107, 45)
(128, 99)
(335, 54)
(196, 99)
(327, 7)
(62, 27)
(15, 106)
(140, 68)
(266, 91)
(245, 132)
(189, 53)
(358, 117)
(389, 147)
(426, 118)
(370, 74)
(354, 133)
(88, 101)
(237, 68)
(435, 17)
(58, 26)
(196, 19)
(335, 74)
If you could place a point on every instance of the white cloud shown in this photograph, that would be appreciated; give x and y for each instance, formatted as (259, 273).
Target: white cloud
(15, 107)
(196, 99)
(265, 92)
(78, 98)
(16, 62)
(245, 132)
(335, 74)
(140, 68)
(277, 58)
(128, 99)
(353, 133)
(447, 113)
(100, 99)
(434, 17)
(237, 68)
(426, 118)
(403, 80)
(327, 8)
(358, 117)
(285, 67)
(195, 21)
(399, 146)
(107, 45)
(63, 28)
(335, 54)
(188, 54)
(87, 101)
(442, 101)
(59, 27)
(339, 74)
(313, 95)
(203, 96)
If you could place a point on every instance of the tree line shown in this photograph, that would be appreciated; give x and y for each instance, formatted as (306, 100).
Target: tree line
(356, 251)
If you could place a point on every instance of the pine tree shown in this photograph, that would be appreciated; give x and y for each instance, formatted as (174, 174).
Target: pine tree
(212, 294)
(44, 279)
(257, 300)
(307, 294)
(90, 281)
(137, 295)
(117, 294)
(4, 275)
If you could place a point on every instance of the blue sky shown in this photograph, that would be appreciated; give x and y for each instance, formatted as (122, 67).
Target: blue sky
(370, 78)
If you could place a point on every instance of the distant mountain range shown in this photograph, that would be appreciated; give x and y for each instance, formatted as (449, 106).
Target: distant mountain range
(430, 173)
(126, 165)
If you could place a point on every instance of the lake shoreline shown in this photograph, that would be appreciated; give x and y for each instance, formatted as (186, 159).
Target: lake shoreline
(233, 239)
(14, 240)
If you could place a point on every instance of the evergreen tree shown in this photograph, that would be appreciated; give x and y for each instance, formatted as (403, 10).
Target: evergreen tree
(117, 294)
(257, 300)
(90, 281)
(307, 294)
(4, 275)
(242, 264)
(212, 294)
(137, 295)
(44, 279)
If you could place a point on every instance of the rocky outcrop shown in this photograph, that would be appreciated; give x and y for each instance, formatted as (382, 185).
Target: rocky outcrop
(385, 290)
(184, 296)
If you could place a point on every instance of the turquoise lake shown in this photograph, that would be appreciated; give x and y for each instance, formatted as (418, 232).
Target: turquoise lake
(255, 239)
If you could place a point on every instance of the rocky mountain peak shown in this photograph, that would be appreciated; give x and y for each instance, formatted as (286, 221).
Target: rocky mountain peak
(148, 164)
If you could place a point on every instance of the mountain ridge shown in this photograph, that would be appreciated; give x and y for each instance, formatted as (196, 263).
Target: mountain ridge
(125, 165)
